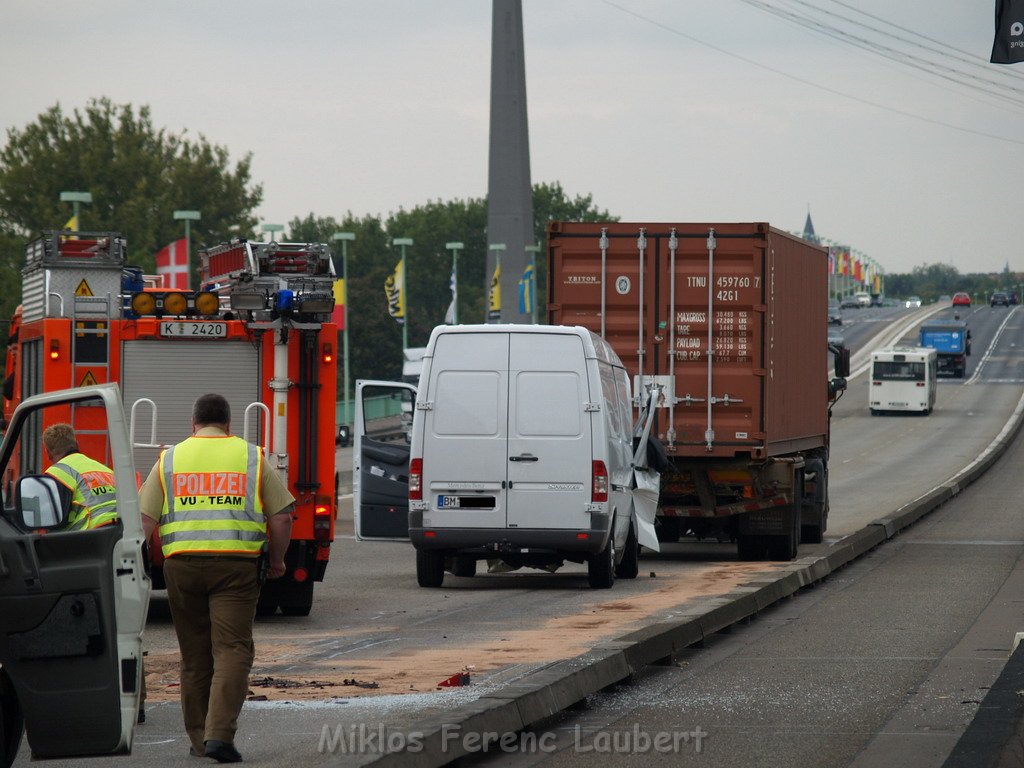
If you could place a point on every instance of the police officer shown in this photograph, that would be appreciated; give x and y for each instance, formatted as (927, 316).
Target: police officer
(215, 500)
(93, 499)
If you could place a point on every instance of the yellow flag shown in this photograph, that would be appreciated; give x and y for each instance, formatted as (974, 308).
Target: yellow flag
(494, 303)
(72, 224)
(396, 296)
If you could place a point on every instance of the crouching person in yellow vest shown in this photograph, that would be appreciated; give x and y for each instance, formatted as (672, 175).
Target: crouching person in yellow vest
(214, 500)
(93, 496)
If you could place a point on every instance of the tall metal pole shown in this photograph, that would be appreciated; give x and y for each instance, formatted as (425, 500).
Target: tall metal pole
(344, 237)
(402, 242)
(188, 217)
(533, 250)
(455, 247)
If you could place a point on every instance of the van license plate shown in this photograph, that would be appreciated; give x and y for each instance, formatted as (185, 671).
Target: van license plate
(447, 502)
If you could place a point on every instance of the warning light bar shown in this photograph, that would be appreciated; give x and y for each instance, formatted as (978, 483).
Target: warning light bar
(188, 303)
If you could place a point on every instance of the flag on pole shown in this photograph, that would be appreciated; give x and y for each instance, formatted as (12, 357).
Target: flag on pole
(449, 316)
(1008, 46)
(172, 263)
(393, 291)
(338, 314)
(526, 289)
(72, 224)
(494, 298)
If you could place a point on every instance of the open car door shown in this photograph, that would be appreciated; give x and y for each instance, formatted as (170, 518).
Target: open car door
(380, 459)
(72, 603)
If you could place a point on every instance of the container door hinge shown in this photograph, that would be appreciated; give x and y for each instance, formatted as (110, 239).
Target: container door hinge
(591, 407)
(424, 405)
(725, 400)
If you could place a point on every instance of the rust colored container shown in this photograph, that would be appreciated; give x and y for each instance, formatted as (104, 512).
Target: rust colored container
(664, 294)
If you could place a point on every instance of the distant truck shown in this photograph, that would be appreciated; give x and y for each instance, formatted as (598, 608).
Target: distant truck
(726, 326)
(951, 339)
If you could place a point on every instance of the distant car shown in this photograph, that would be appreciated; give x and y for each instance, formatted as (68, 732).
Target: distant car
(863, 298)
(850, 302)
(913, 302)
(999, 297)
(344, 435)
(835, 316)
(961, 299)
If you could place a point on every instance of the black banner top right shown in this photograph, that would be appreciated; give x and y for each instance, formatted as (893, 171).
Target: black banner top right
(1008, 47)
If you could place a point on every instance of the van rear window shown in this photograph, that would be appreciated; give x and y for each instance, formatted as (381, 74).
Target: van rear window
(467, 403)
(548, 404)
(886, 371)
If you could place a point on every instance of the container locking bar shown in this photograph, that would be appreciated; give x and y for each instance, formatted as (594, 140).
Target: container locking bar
(709, 433)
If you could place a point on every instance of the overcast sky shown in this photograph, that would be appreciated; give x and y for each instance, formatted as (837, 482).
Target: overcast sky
(664, 110)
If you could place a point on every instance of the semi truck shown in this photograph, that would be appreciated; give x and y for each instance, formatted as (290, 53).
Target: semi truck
(951, 340)
(257, 331)
(726, 326)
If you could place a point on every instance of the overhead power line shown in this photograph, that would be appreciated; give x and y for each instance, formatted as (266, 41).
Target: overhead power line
(803, 81)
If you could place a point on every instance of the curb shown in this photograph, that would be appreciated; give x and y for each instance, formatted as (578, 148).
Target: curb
(439, 740)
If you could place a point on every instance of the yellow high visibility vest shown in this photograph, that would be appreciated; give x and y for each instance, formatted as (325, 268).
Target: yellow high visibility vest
(93, 496)
(212, 503)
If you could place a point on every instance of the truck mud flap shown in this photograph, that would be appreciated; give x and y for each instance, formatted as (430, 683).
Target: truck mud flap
(768, 522)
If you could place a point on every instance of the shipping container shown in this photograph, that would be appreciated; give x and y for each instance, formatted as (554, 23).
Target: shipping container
(730, 321)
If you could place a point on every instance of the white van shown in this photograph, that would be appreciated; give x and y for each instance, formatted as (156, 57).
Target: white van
(521, 452)
(903, 379)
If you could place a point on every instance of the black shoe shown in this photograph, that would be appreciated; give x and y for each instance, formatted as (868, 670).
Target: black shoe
(222, 751)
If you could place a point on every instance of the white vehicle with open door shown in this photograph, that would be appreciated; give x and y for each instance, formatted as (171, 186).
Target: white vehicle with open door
(72, 603)
(521, 452)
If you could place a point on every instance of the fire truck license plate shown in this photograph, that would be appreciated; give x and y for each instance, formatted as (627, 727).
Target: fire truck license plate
(191, 329)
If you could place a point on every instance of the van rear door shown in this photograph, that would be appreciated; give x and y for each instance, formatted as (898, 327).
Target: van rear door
(465, 431)
(549, 432)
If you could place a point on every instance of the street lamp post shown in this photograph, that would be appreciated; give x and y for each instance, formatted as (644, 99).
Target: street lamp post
(402, 242)
(344, 238)
(271, 228)
(455, 247)
(533, 250)
(76, 198)
(188, 217)
(497, 248)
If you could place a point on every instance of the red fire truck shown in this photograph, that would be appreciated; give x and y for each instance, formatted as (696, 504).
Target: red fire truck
(257, 332)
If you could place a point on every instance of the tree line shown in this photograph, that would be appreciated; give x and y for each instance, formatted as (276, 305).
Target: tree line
(139, 174)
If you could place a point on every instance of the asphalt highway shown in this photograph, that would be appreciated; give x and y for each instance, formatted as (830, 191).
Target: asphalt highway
(841, 667)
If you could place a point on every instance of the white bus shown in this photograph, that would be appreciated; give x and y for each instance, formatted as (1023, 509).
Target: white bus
(902, 379)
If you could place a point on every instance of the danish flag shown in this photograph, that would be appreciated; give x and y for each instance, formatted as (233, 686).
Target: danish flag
(172, 263)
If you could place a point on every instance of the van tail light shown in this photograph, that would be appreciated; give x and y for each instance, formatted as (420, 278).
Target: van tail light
(416, 480)
(599, 488)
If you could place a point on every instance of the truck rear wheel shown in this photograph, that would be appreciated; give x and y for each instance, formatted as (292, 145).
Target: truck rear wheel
(751, 546)
(601, 565)
(429, 568)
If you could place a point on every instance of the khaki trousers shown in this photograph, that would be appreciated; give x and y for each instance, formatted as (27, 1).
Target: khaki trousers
(213, 602)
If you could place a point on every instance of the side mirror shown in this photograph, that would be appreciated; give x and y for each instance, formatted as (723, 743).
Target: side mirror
(37, 502)
(835, 386)
(842, 361)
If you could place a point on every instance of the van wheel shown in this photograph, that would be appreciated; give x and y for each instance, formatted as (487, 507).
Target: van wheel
(629, 566)
(601, 565)
(464, 567)
(429, 568)
(298, 599)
